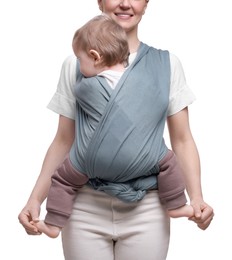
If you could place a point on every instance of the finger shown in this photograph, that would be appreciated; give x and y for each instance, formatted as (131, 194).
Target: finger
(204, 224)
(36, 220)
(206, 218)
(207, 213)
(33, 230)
(25, 220)
(34, 215)
(33, 233)
(197, 212)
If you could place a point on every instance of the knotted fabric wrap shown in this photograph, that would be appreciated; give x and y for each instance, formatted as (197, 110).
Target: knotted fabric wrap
(119, 133)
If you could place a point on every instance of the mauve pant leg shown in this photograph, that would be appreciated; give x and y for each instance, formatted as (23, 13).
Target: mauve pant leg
(171, 184)
(65, 183)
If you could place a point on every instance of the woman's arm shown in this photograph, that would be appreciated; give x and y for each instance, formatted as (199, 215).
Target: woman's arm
(59, 147)
(184, 146)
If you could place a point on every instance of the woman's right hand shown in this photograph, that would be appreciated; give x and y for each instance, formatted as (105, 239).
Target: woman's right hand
(30, 213)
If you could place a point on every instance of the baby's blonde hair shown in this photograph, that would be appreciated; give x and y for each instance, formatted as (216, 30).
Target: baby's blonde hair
(105, 36)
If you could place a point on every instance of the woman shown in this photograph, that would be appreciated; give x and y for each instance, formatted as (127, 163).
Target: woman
(102, 227)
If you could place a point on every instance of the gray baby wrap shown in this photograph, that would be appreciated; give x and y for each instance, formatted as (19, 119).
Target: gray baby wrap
(119, 132)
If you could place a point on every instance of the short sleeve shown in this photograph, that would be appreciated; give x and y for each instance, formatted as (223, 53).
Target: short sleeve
(180, 95)
(63, 101)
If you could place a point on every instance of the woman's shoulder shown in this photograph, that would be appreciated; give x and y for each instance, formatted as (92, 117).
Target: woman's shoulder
(175, 64)
(174, 60)
(69, 68)
(70, 60)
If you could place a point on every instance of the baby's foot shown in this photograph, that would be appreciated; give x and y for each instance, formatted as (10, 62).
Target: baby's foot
(185, 211)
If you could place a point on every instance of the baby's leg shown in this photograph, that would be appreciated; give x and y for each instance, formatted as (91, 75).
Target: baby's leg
(184, 211)
(49, 230)
(66, 181)
(171, 185)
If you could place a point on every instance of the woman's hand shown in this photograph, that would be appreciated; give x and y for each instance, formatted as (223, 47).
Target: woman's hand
(28, 215)
(203, 214)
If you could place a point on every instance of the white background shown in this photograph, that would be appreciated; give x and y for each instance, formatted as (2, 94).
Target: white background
(36, 37)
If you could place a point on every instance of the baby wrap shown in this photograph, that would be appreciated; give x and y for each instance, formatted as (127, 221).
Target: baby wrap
(119, 132)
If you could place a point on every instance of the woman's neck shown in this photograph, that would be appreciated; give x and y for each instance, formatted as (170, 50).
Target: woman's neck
(133, 42)
(134, 47)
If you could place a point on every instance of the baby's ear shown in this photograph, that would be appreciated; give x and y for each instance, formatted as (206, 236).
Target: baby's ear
(95, 55)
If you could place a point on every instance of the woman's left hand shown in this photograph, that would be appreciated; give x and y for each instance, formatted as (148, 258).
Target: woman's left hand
(203, 214)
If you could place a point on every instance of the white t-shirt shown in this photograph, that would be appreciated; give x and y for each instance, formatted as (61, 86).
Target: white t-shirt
(63, 101)
(112, 77)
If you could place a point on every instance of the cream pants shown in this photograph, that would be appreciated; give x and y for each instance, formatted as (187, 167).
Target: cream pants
(105, 228)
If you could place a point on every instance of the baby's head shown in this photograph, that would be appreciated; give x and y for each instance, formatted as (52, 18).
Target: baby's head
(103, 36)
